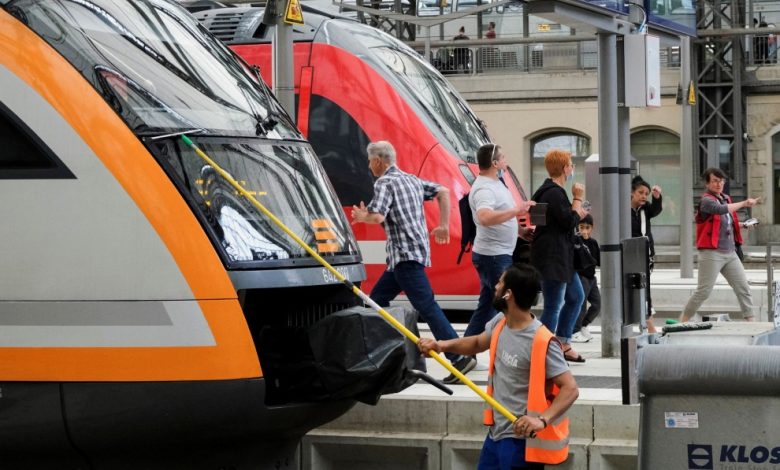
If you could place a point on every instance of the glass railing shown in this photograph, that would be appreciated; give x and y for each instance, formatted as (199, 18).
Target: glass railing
(525, 57)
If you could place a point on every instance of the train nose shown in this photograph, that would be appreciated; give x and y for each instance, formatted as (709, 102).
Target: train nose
(350, 354)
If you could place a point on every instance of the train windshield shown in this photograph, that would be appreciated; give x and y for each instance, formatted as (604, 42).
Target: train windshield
(284, 177)
(155, 65)
(444, 105)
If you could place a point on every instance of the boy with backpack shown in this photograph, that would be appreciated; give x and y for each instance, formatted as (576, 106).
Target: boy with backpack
(589, 284)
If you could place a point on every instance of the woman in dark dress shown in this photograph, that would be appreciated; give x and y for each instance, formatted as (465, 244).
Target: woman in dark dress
(552, 251)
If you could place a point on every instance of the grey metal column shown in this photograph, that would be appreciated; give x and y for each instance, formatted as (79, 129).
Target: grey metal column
(611, 305)
(624, 146)
(687, 151)
(282, 63)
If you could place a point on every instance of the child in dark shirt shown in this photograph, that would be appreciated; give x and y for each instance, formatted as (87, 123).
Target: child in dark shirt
(589, 285)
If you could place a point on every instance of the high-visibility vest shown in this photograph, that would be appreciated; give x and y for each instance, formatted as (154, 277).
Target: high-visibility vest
(708, 227)
(551, 444)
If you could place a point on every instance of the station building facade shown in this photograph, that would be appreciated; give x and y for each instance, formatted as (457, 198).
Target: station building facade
(528, 113)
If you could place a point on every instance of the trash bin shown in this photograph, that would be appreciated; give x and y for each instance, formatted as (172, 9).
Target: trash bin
(709, 407)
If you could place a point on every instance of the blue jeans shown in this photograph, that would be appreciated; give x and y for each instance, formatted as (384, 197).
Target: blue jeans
(489, 269)
(410, 277)
(562, 303)
(505, 454)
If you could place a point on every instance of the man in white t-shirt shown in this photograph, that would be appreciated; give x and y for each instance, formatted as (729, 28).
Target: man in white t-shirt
(495, 215)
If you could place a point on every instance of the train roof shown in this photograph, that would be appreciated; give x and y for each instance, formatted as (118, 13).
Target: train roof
(237, 25)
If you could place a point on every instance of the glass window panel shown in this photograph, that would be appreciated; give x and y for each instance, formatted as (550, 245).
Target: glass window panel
(578, 145)
(18, 150)
(340, 143)
(23, 154)
(658, 153)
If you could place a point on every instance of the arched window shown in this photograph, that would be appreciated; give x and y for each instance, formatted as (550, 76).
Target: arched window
(658, 154)
(578, 145)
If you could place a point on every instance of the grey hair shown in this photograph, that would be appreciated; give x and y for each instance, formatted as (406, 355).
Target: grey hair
(382, 149)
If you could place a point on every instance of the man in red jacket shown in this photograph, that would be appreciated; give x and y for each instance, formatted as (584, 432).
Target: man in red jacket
(717, 237)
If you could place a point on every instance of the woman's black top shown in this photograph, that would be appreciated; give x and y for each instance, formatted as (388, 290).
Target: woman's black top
(552, 251)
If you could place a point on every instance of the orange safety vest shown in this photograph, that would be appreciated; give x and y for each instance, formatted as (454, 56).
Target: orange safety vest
(551, 445)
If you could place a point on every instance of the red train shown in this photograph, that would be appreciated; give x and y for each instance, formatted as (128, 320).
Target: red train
(356, 84)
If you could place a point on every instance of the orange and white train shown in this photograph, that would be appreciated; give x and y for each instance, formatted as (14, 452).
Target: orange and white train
(148, 313)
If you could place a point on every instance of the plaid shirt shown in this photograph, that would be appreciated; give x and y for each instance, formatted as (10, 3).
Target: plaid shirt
(399, 197)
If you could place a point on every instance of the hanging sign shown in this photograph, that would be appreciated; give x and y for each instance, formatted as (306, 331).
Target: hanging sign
(691, 94)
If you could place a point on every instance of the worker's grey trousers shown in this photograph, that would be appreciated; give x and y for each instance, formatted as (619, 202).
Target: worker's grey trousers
(712, 263)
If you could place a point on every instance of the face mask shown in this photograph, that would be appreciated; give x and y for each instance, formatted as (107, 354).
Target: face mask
(500, 173)
(571, 176)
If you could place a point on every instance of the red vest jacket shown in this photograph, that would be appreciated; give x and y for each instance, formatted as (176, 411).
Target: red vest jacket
(708, 227)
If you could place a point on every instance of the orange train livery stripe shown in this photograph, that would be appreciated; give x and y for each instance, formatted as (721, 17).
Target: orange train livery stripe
(52, 77)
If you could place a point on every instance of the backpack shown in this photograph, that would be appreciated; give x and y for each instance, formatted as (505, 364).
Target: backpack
(468, 229)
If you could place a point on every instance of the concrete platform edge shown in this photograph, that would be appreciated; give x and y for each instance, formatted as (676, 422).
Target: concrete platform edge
(446, 433)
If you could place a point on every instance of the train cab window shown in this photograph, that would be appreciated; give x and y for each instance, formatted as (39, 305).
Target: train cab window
(341, 144)
(24, 155)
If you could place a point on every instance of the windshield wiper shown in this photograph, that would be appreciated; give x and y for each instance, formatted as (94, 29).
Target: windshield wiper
(267, 124)
(172, 134)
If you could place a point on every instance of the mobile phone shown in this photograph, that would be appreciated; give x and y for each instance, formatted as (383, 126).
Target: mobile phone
(539, 214)
(750, 222)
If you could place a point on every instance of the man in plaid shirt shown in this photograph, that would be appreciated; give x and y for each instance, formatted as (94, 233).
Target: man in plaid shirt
(398, 206)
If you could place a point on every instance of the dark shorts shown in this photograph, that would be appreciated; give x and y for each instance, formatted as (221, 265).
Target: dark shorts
(505, 454)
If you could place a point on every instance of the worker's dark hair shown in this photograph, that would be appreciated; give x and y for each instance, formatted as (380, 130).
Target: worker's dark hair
(486, 155)
(525, 282)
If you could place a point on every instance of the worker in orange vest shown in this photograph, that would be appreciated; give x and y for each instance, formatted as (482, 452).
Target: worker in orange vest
(530, 378)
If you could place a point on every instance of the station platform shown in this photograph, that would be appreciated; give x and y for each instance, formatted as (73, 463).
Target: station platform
(424, 428)
(421, 427)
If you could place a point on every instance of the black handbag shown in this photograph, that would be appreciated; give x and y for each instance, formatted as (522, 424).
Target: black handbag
(583, 259)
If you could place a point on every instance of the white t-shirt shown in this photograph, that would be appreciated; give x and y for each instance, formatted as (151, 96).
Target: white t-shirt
(499, 239)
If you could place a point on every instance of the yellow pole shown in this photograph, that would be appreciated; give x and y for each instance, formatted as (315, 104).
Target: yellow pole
(382, 312)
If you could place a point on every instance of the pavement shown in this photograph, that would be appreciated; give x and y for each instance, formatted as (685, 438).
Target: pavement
(599, 377)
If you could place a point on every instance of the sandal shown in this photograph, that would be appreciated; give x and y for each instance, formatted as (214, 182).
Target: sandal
(570, 358)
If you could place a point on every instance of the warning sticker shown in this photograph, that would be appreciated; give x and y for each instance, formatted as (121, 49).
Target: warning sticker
(293, 13)
(681, 419)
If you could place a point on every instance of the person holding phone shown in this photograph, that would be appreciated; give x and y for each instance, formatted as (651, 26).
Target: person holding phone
(495, 215)
(718, 234)
(552, 251)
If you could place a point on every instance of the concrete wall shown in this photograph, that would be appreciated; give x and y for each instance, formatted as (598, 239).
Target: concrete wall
(519, 107)
(447, 434)
(763, 121)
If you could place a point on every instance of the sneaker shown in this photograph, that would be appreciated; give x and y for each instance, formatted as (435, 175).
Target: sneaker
(464, 365)
(578, 337)
(585, 332)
